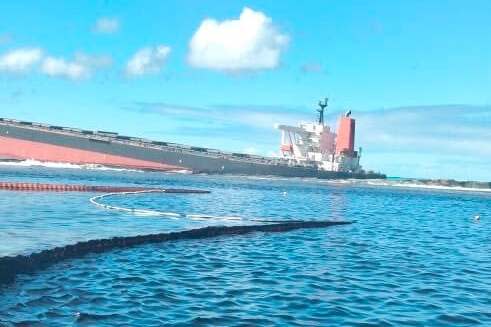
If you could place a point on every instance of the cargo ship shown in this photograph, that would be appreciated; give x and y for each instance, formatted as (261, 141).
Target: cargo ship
(308, 150)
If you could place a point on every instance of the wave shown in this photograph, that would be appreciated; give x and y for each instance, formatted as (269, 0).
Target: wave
(442, 185)
(179, 171)
(62, 165)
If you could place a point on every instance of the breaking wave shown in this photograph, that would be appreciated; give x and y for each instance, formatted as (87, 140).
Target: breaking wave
(62, 165)
(443, 185)
(179, 171)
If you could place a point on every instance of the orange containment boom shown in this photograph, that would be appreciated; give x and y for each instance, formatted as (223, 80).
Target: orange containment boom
(39, 187)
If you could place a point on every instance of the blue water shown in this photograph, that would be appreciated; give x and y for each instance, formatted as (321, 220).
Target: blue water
(413, 257)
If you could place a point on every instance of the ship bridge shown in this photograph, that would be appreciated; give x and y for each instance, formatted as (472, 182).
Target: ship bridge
(316, 144)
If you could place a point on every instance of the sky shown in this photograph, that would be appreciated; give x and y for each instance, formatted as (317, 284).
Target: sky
(416, 74)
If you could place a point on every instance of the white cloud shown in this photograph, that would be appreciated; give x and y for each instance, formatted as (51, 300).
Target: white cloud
(148, 60)
(25, 60)
(250, 42)
(106, 25)
(61, 68)
(20, 60)
(82, 67)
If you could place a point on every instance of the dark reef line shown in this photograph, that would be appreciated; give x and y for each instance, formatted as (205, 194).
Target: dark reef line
(10, 267)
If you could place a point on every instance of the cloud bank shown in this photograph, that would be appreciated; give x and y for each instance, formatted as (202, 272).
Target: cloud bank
(248, 43)
(447, 141)
(424, 141)
(456, 129)
(148, 60)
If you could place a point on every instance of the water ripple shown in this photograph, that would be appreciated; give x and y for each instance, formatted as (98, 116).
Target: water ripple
(414, 258)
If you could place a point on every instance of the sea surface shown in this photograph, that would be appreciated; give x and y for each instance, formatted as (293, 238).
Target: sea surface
(413, 256)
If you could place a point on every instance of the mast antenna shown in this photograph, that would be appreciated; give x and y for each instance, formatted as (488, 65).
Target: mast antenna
(322, 106)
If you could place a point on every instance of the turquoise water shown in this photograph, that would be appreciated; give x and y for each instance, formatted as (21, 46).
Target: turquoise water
(413, 257)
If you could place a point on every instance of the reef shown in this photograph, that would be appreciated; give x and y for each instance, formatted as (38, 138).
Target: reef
(451, 183)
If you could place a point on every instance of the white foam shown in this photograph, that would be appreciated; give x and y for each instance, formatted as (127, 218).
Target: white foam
(441, 187)
(148, 212)
(62, 165)
(137, 212)
(205, 217)
(405, 184)
(180, 171)
(416, 185)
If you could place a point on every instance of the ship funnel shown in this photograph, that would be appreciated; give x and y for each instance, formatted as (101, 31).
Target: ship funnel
(345, 142)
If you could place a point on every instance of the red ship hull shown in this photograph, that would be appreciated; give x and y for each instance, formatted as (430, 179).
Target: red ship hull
(21, 149)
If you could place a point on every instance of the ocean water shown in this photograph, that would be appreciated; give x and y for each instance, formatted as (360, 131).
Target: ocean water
(414, 257)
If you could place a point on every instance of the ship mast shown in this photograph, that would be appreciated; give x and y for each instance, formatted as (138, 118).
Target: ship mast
(322, 106)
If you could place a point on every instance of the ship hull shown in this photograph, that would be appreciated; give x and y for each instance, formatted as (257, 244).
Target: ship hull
(19, 142)
(16, 149)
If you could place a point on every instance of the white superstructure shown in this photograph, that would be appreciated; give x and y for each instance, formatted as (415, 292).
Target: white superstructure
(316, 144)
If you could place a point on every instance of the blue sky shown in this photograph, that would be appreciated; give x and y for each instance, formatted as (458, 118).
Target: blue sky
(416, 74)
